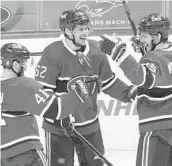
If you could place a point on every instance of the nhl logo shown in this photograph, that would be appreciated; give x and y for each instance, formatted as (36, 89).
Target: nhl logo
(5, 15)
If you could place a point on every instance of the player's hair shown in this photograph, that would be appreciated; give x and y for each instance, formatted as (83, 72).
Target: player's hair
(11, 52)
(155, 23)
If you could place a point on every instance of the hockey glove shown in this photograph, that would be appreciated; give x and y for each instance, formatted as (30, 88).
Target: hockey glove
(138, 46)
(67, 126)
(113, 46)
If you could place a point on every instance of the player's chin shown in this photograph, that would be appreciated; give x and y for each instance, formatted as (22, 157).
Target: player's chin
(82, 42)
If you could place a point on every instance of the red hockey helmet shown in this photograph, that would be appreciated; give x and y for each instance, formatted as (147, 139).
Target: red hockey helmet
(155, 23)
(71, 18)
(11, 52)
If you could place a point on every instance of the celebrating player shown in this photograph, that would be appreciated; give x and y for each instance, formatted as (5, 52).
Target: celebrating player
(153, 76)
(75, 56)
(21, 99)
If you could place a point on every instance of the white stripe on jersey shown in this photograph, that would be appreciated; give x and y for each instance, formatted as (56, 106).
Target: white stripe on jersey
(49, 120)
(144, 76)
(49, 90)
(48, 147)
(107, 79)
(155, 98)
(46, 84)
(145, 150)
(155, 118)
(110, 83)
(64, 78)
(19, 140)
(42, 156)
(14, 116)
(86, 122)
(59, 108)
(153, 82)
(163, 87)
(60, 93)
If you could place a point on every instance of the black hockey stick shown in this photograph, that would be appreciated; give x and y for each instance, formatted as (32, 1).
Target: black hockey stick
(132, 23)
(91, 147)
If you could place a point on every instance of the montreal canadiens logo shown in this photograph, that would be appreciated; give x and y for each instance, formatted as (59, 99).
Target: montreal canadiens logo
(5, 15)
(77, 80)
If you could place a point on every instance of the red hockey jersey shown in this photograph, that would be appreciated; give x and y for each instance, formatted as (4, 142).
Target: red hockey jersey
(153, 75)
(59, 64)
(21, 99)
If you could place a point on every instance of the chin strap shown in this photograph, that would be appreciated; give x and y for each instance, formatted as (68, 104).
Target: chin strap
(73, 40)
(19, 74)
(154, 45)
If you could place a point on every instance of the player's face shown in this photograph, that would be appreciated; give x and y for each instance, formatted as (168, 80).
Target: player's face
(81, 33)
(146, 38)
(20, 67)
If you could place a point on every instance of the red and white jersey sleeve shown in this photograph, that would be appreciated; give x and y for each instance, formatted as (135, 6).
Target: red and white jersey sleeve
(111, 84)
(152, 71)
(28, 96)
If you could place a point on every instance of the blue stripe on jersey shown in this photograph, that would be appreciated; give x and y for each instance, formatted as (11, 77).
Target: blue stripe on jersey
(61, 86)
(52, 111)
(155, 92)
(16, 113)
(108, 81)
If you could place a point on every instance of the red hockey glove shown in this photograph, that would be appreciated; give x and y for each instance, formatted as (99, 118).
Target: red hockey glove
(113, 46)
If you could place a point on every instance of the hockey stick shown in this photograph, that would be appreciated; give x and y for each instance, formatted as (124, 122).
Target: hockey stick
(91, 147)
(132, 23)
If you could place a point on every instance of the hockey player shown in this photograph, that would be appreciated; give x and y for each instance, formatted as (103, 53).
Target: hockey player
(21, 99)
(75, 56)
(153, 76)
